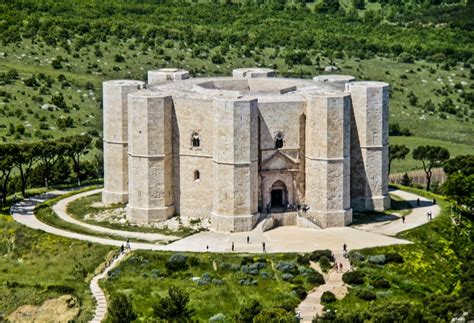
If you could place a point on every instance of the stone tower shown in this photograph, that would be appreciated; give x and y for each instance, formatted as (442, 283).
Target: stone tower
(116, 139)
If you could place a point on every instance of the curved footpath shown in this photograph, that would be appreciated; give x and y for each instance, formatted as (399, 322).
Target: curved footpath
(61, 207)
(282, 239)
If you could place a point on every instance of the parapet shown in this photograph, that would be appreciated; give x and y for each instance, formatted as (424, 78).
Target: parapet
(338, 81)
(163, 75)
(253, 72)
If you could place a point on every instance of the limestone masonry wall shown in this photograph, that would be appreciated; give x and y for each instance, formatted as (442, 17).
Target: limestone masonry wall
(233, 149)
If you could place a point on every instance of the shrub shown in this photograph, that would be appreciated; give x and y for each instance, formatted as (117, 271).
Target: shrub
(366, 295)
(120, 309)
(300, 292)
(174, 307)
(328, 297)
(325, 264)
(274, 315)
(353, 278)
(193, 261)
(287, 267)
(376, 259)
(393, 257)
(302, 259)
(177, 262)
(381, 283)
(246, 260)
(249, 310)
(315, 279)
(355, 257)
(287, 276)
(315, 255)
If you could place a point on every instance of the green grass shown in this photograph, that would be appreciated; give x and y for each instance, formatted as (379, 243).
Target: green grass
(33, 267)
(79, 208)
(144, 278)
(397, 205)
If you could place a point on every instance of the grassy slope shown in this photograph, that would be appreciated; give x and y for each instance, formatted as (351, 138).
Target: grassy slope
(33, 267)
(431, 265)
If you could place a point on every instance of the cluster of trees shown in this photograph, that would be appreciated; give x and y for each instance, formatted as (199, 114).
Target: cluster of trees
(251, 24)
(41, 160)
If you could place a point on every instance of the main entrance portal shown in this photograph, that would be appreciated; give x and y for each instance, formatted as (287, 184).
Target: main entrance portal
(279, 195)
(277, 198)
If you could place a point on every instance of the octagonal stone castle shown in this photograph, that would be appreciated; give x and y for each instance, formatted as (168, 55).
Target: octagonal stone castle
(234, 149)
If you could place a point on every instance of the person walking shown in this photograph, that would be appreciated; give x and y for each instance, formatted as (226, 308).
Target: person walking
(263, 246)
(127, 246)
(340, 267)
(428, 215)
(122, 248)
(248, 239)
(403, 219)
(207, 248)
(434, 201)
(344, 247)
(232, 246)
(418, 202)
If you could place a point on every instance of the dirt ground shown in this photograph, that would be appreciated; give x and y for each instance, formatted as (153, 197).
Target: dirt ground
(62, 309)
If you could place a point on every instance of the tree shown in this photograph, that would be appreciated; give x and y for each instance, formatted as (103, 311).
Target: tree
(460, 164)
(174, 307)
(430, 156)
(460, 189)
(24, 159)
(49, 152)
(75, 147)
(121, 309)
(396, 152)
(329, 6)
(7, 153)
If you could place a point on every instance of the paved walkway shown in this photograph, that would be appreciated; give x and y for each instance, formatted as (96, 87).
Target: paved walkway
(98, 293)
(61, 207)
(281, 239)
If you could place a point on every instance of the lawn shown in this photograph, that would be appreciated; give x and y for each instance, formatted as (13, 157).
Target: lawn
(144, 278)
(33, 267)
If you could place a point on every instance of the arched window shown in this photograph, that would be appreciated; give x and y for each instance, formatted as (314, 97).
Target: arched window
(195, 141)
(196, 175)
(279, 140)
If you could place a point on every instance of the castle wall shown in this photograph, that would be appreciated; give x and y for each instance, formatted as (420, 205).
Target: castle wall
(195, 196)
(116, 139)
(328, 160)
(151, 194)
(369, 148)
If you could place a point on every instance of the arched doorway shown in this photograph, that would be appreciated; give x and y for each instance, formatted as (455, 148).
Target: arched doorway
(278, 195)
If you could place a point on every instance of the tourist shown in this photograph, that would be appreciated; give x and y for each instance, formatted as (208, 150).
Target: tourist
(340, 267)
(207, 248)
(248, 239)
(344, 247)
(434, 201)
(263, 246)
(127, 246)
(122, 248)
(418, 202)
(403, 218)
(232, 246)
(428, 215)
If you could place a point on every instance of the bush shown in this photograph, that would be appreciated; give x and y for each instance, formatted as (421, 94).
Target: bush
(317, 254)
(174, 307)
(393, 258)
(376, 259)
(381, 283)
(302, 259)
(287, 276)
(219, 317)
(325, 264)
(353, 278)
(249, 310)
(328, 297)
(246, 260)
(274, 315)
(287, 267)
(120, 309)
(315, 279)
(177, 262)
(355, 257)
(300, 292)
(366, 295)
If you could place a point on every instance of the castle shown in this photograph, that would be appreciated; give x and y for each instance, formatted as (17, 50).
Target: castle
(236, 148)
